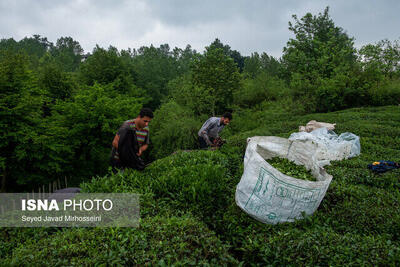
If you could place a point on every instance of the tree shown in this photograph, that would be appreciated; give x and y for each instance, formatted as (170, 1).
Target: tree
(155, 67)
(109, 67)
(219, 75)
(56, 83)
(319, 62)
(234, 54)
(270, 65)
(20, 114)
(8, 45)
(383, 57)
(252, 65)
(103, 66)
(183, 59)
(35, 47)
(80, 130)
(193, 97)
(67, 53)
(255, 64)
(263, 87)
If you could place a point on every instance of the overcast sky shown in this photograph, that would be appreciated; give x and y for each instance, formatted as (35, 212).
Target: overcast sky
(245, 25)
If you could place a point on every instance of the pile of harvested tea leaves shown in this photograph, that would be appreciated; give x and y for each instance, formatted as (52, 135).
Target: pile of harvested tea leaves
(291, 169)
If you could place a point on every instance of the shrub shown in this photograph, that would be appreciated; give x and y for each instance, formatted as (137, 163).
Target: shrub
(188, 210)
(192, 97)
(387, 93)
(185, 181)
(159, 240)
(262, 88)
(174, 128)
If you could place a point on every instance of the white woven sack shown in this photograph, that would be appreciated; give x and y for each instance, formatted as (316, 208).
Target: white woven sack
(271, 196)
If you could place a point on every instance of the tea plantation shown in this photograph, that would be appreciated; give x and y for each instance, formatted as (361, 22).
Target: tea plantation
(189, 215)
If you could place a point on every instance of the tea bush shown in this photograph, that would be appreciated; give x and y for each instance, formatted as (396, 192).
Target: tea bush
(189, 215)
(185, 181)
(359, 214)
(158, 241)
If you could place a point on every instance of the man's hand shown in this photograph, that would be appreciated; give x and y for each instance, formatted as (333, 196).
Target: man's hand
(218, 142)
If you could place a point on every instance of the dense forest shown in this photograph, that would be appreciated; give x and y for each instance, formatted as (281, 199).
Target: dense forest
(60, 107)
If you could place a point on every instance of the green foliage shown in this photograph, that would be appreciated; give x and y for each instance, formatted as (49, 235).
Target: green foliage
(56, 83)
(381, 58)
(386, 93)
(110, 67)
(154, 68)
(192, 97)
(86, 125)
(252, 65)
(67, 53)
(12, 238)
(184, 181)
(78, 130)
(218, 75)
(320, 52)
(183, 58)
(234, 54)
(255, 64)
(189, 215)
(8, 44)
(59, 116)
(311, 53)
(174, 128)
(261, 88)
(35, 46)
(337, 92)
(158, 241)
(20, 109)
(291, 169)
(357, 220)
(355, 224)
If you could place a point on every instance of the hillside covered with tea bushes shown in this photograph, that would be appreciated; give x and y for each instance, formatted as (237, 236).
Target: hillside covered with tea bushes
(189, 215)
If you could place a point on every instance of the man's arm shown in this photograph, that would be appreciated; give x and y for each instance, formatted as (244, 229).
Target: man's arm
(204, 130)
(206, 138)
(116, 137)
(142, 149)
(115, 141)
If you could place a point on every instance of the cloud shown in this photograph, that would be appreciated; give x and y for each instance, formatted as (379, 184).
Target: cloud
(247, 26)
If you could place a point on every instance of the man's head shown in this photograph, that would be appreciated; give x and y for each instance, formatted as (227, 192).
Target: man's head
(226, 118)
(144, 118)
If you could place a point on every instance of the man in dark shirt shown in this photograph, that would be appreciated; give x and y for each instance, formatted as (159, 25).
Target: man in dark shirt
(210, 129)
(134, 136)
